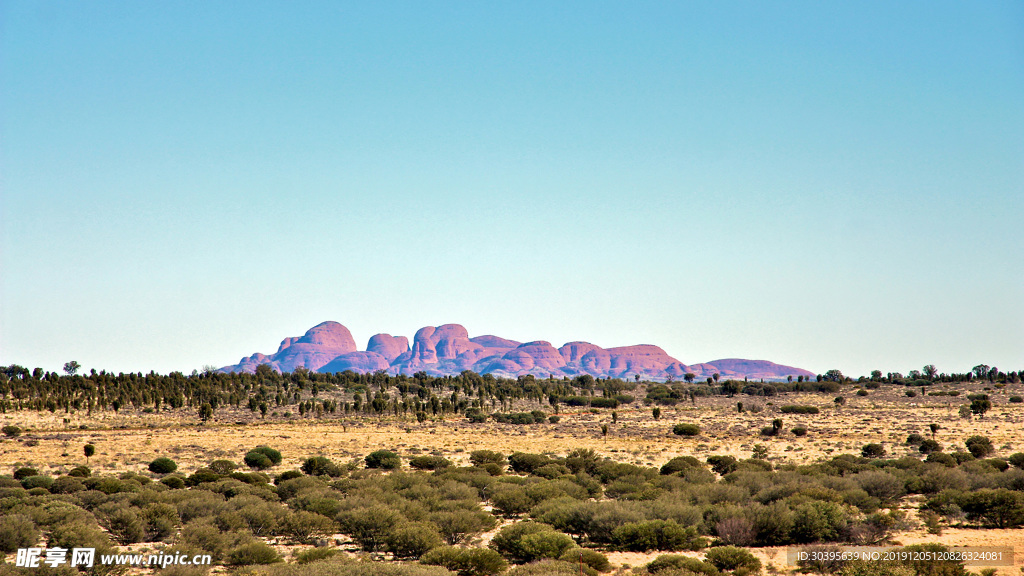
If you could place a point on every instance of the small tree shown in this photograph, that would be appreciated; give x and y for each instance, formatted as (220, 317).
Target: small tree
(934, 428)
(205, 412)
(70, 368)
(89, 450)
(656, 412)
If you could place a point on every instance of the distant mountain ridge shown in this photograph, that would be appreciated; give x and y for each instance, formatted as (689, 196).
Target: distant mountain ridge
(448, 349)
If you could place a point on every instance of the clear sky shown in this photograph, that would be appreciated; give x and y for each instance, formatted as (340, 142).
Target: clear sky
(821, 184)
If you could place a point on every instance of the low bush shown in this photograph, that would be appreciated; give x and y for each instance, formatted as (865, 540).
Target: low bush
(529, 541)
(322, 466)
(315, 554)
(466, 561)
(253, 553)
(592, 558)
(429, 462)
(685, 429)
(44, 482)
(162, 465)
(383, 459)
(412, 540)
(17, 531)
(173, 482)
(795, 409)
(25, 472)
(732, 559)
(262, 457)
(11, 431)
(681, 564)
(722, 464)
(678, 464)
(799, 431)
(656, 535)
(872, 450)
(481, 457)
(979, 446)
(222, 467)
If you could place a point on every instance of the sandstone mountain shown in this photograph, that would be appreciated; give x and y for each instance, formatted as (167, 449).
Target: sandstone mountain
(448, 349)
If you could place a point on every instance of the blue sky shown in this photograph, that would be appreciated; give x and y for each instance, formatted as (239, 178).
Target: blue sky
(826, 185)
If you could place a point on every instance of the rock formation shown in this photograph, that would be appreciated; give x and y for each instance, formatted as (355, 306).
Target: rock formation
(448, 349)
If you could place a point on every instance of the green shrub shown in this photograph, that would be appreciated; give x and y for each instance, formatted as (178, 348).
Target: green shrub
(270, 458)
(686, 430)
(481, 457)
(678, 464)
(305, 527)
(253, 553)
(819, 520)
(929, 446)
(656, 535)
(592, 558)
(67, 485)
(554, 419)
(173, 482)
(722, 464)
(794, 409)
(321, 466)
(204, 534)
(455, 525)
(732, 558)
(162, 465)
(369, 526)
(11, 431)
(1016, 399)
(1000, 508)
(204, 475)
(510, 500)
(429, 462)
(799, 431)
(383, 459)
(529, 541)
(315, 554)
(526, 463)
(17, 531)
(25, 472)
(549, 567)
(257, 460)
(412, 540)
(680, 563)
(287, 475)
(979, 446)
(1017, 459)
(44, 482)
(80, 472)
(872, 450)
(222, 467)
(466, 561)
(941, 458)
(914, 439)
